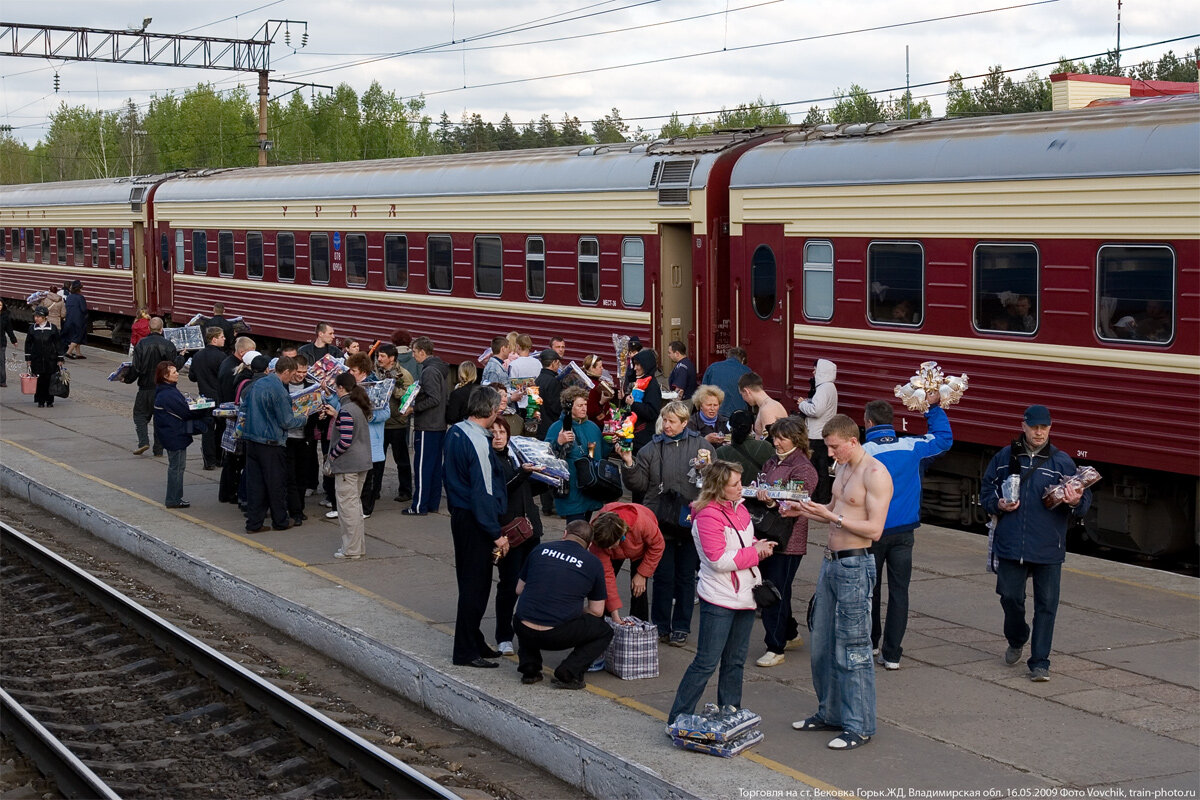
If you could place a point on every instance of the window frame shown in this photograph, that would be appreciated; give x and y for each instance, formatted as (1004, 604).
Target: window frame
(921, 282)
(499, 268)
(366, 263)
(180, 251)
(818, 267)
(775, 271)
(1037, 297)
(312, 274)
(1174, 294)
(95, 248)
(579, 264)
(642, 265)
(60, 245)
(429, 263)
(387, 272)
(535, 257)
(112, 249)
(280, 260)
(126, 248)
(221, 255)
(78, 252)
(262, 267)
(45, 239)
(199, 265)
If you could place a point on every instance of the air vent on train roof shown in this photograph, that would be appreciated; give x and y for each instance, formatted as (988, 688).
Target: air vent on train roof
(673, 179)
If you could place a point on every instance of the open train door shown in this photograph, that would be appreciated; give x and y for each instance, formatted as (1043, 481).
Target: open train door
(678, 291)
(764, 305)
(135, 254)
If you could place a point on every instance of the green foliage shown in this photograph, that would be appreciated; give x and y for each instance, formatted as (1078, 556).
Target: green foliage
(1168, 68)
(998, 94)
(610, 129)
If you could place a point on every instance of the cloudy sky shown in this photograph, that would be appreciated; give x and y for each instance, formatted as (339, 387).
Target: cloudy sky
(647, 58)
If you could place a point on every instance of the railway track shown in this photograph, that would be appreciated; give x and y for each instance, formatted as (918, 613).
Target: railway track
(109, 700)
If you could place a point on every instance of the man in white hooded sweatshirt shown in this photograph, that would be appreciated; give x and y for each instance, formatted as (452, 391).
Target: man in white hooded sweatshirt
(818, 409)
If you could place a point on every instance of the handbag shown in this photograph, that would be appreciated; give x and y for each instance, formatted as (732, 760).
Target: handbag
(598, 480)
(766, 594)
(60, 383)
(674, 513)
(28, 384)
(769, 523)
(518, 531)
(633, 651)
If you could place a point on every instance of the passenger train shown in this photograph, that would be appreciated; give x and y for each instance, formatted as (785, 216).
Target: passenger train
(1052, 257)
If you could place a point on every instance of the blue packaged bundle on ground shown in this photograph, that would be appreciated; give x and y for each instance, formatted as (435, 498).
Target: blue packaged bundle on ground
(721, 732)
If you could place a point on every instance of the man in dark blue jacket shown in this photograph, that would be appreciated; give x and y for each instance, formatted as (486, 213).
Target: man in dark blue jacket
(1030, 540)
(206, 366)
(477, 497)
(725, 375)
(903, 458)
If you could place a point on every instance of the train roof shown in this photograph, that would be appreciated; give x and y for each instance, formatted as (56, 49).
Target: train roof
(1144, 139)
(626, 166)
(100, 191)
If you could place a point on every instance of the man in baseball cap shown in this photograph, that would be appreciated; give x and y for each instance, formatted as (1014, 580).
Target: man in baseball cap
(1030, 540)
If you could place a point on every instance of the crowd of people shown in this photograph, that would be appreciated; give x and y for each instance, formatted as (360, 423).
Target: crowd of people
(687, 448)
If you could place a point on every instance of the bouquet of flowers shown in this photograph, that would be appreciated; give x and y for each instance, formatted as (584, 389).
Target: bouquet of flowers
(930, 382)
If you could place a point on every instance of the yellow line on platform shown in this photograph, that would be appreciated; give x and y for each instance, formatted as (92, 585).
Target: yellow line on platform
(628, 702)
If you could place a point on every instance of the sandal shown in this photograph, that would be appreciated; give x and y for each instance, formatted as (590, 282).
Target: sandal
(814, 723)
(848, 741)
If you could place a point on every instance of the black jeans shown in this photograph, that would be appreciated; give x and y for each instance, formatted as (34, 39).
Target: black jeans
(587, 638)
(397, 440)
(509, 570)
(823, 491)
(143, 413)
(473, 571)
(638, 606)
(210, 442)
(894, 550)
(297, 452)
(266, 484)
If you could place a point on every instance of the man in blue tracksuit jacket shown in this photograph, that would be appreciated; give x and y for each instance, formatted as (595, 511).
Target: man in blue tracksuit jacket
(905, 460)
(477, 497)
(1030, 540)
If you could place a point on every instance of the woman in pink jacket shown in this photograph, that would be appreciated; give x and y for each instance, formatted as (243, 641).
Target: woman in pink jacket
(729, 557)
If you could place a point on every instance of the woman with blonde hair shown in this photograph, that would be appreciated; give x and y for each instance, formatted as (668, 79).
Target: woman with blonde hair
(729, 556)
(456, 403)
(661, 471)
(707, 419)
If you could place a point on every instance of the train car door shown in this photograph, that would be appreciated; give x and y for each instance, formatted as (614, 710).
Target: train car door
(677, 289)
(763, 305)
(135, 253)
(160, 263)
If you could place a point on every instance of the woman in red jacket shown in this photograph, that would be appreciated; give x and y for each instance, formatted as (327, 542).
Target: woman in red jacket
(627, 531)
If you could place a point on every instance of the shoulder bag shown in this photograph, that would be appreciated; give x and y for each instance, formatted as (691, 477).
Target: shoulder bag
(769, 523)
(518, 531)
(673, 510)
(766, 593)
(598, 480)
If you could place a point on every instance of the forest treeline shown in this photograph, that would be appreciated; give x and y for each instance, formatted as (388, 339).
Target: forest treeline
(206, 128)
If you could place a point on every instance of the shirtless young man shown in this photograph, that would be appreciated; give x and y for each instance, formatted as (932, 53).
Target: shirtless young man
(842, 668)
(750, 387)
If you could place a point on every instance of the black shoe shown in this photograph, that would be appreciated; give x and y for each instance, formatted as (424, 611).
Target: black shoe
(50, 404)
(558, 683)
(480, 663)
(403, 497)
(412, 512)
(488, 652)
(531, 679)
(41, 405)
(82, 357)
(181, 504)
(259, 529)
(209, 467)
(297, 522)
(285, 527)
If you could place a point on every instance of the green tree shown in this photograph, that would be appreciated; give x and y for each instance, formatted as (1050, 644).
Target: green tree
(447, 137)
(855, 105)
(507, 135)
(337, 124)
(816, 116)
(571, 131)
(610, 129)
(476, 135)
(758, 114)
(1169, 67)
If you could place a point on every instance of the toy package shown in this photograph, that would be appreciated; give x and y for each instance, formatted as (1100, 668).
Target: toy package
(721, 732)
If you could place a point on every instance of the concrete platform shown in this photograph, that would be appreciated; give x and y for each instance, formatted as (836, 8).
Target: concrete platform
(1121, 710)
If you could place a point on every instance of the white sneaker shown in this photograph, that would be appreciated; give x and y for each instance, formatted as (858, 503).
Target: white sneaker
(770, 659)
(341, 554)
(888, 665)
(365, 516)
(331, 515)
(505, 648)
(309, 492)
(326, 504)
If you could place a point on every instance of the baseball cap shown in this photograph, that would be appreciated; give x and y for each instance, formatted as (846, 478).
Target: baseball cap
(250, 356)
(1037, 415)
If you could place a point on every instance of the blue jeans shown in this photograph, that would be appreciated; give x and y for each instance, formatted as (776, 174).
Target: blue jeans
(843, 673)
(1010, 585)
(780, 569)
(176, 462)
(675, 583)
(895, 551)
(724, 638)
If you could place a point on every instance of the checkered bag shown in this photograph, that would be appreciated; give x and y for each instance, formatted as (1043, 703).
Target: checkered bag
(633, 651)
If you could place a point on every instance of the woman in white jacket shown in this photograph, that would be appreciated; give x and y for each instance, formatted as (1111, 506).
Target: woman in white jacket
(817, 410)
(729, 556)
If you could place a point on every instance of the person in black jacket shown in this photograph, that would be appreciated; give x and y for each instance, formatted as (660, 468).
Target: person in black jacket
(550, 388)
(7, 334)
(44, 353)
(429, 429)
(152, 349)
(205, 367)
(218, 320)
(520, 504)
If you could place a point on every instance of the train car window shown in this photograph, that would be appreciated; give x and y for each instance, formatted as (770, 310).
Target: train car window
(77, 237)
(254, 254)
(633, 272)
(764, 279)
(60, 246)
(895, 283)
(535, 268)
(356, 259)
(45, 245)
(126, 262)
(225, 252)
(4, 242)
(440, 253)
(1136, 293)
(395, 261)
(285, 256)
(199, 252)
(818, 280)
(318, 258)
(1006, 288)
(95, 248)
(489, 266)
(112, 249)
(164, 252)
(589, 271)
(30, 245)
(179, 251)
